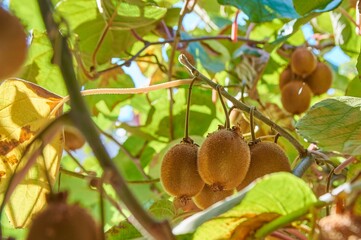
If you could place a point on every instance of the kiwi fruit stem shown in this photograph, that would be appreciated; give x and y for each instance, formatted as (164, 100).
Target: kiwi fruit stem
(227, 125)
(251, 112)
(186, 135)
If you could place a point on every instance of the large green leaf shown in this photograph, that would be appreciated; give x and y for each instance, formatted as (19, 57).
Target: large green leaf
(279, 194)
(354, 88)
(264, 10)
(29, 15)
(334, 124)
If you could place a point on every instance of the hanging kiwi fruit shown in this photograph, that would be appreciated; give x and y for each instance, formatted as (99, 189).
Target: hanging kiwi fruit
(13, 46)
(60, 220)
(266, 157)
(303, 62)
(286, 76)
(179, 171)
(208, 197)
(320, 80)
(224, 157)
(296, 97)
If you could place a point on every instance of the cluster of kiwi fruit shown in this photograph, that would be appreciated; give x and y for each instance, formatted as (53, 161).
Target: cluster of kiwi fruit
(60, 220)
(13, 45)
(223, 164)
(303, 77)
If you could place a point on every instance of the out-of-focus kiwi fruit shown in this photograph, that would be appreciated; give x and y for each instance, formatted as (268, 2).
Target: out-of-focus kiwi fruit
(320, 80)
(208, 197)
(59, 221)
(223, 159)
(296, 97)
(303, 62)
(13, 46)
(179, 172)
(73, 139)
(266, 157)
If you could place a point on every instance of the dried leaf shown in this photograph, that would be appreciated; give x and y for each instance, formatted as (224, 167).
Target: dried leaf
(25, 109)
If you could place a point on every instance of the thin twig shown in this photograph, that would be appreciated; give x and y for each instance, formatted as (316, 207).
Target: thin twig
(186, 132)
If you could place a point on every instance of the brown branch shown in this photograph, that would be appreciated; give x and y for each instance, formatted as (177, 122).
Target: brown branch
(80, 117)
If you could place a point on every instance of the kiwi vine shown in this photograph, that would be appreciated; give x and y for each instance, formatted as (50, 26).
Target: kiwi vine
(194, 173)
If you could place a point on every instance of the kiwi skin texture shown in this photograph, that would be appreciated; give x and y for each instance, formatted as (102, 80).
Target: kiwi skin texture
(179, 172)
(59, 221)
(320, 80)
(223, 159)
(266, 157)
(296, 97)
(208, 197)
(303, 62)
(13, 46)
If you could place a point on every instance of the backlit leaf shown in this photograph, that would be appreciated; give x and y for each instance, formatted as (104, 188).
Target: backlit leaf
(334, 124)
(25, 109)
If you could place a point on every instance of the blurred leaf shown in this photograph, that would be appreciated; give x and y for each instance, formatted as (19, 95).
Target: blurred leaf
(30, 15)
(38, 67)
(334, 124)
(25, 109)
(163, 209)
(132, 14)
(123, 231)
(354, 88)
(304, 7)
(279, 193)
(263, 10)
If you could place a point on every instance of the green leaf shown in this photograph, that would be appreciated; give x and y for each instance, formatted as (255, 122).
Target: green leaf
(263, 10)
(132, 14)
(29, 15)
(279, 193)
(163, 209)
(39, 69)
(304, 7)
(334, 124)
(354, 88)
(123, 231)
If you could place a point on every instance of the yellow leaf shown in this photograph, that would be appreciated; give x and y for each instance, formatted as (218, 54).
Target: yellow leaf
(25, 109)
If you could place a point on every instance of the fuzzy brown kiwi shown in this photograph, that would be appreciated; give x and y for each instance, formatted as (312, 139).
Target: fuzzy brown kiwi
(303, 62)
(320, 80)
(266, 157)
(223, 159)
(208, 197)
(59, 221)
(286, 76)
(296, 97)
(73, 139)
(179, 173)
(13, 46)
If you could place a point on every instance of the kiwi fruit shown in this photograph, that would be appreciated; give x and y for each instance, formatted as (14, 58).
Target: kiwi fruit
(223, 159)
(73, 139)
(266, 157)
(296, 97)
(207, 197)
(179, 173)
(59, 221)
(286, 76)
(320, 80)
(303, 62)
(13, 46)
